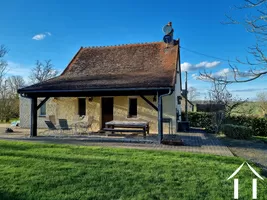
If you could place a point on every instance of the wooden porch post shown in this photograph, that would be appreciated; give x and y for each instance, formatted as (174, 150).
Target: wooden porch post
(33, 117)
(160, 124)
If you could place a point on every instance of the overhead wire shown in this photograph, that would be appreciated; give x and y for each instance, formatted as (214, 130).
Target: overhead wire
(210, 56)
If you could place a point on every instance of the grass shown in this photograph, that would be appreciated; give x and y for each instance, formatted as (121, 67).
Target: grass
(264, 139)
(46, 171)
(11, 120)
(248, 108)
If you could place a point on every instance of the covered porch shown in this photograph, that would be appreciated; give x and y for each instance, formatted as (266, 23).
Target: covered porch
(143, 93)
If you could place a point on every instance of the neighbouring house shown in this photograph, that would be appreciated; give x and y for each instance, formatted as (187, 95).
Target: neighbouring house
(190, 105)
(126, 82)
(210, 107)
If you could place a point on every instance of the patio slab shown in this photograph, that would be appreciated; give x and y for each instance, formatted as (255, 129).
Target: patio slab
(196, 141)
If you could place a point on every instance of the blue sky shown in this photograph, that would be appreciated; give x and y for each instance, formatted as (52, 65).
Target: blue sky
(57, 29)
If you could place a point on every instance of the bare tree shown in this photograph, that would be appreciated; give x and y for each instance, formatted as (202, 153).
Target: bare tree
(14, 83)
(3, 63)
(42, 71)
(192, 93)
(255, 64)
(9, 101)
(222, 98)
(262, 100)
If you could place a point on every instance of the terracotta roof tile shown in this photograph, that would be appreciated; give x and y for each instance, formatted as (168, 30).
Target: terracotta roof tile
(125, 66)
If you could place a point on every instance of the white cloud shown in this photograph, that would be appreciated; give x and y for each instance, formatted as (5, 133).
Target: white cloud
(206, 64)
(202, 65)
(226, 72)
(195, 76)
(41, 36)
(186, 66)
(222, 73)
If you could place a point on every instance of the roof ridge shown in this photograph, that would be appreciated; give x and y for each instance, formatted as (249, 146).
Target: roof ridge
(123, 45)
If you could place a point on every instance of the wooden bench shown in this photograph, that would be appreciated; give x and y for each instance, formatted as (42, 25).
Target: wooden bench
(127, 126)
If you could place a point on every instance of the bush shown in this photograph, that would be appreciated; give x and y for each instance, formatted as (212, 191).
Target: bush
(258, 125)
(237, 131)
(202, 120)
(208, 121)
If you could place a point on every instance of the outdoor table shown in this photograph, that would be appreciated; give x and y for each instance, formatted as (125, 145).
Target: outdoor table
(128, 126)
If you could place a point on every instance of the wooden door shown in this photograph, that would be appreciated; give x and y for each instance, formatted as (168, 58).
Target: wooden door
(107, 110)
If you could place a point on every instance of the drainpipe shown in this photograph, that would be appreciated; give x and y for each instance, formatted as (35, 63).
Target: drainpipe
(160, 114)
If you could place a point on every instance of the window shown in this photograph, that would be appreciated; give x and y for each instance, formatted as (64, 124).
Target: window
(132, 107)
(43, 110)
(82, 106)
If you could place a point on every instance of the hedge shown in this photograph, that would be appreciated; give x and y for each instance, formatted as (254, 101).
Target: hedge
(202, 120)
(258, 125)
(237, 131)
(207, 121)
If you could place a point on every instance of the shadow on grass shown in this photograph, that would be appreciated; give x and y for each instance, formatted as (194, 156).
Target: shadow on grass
(10, 196)
(108, 157)
(16, 145)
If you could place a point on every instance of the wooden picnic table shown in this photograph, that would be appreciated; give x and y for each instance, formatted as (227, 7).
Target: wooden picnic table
(127, 126)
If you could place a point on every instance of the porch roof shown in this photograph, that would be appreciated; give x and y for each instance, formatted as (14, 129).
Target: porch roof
(134, 67)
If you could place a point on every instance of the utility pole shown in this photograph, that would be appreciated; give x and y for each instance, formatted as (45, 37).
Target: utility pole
(186, 111)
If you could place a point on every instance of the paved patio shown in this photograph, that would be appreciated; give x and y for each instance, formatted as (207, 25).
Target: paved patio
(196, 141)
(251, 150)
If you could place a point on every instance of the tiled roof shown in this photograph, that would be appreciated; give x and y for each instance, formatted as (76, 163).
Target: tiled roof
(128, 66)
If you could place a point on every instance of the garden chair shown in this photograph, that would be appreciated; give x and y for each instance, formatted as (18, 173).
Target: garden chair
(80, 124)
(87, 124)
(77, 121)
(52, 127)
(63, 123)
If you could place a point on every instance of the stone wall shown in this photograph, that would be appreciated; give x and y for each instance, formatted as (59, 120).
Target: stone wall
(67, 108)
(25, 114)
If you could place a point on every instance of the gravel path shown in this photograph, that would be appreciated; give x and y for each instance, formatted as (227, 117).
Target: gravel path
(251, 150)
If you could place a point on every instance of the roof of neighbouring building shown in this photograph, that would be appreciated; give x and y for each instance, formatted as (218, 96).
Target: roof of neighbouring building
(147, 65)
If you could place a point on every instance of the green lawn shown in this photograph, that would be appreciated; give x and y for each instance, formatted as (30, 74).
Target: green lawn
(45, 171)
(248, 108)
(264, 139)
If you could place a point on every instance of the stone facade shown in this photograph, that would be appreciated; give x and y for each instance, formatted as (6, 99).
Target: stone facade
(67, 108)
(25, 114)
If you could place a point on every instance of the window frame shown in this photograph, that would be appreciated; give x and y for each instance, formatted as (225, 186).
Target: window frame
(84, 106)
(41, 109)
(129, 106)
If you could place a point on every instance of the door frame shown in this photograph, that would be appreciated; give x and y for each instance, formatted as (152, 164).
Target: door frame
(101, 110)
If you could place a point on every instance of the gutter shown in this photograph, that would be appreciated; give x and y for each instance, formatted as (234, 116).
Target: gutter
(90, 90)
(160, 114)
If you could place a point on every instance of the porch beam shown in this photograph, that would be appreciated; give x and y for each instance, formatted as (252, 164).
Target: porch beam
(149, 102)
(160, 124)
(33, 132)
(42, 102)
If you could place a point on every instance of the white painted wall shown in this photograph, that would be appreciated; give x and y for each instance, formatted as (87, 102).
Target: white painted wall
(178, 92)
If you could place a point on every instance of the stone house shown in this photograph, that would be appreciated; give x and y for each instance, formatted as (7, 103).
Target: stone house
(127, 82)
(190, 105)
